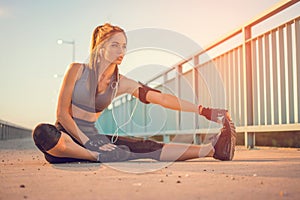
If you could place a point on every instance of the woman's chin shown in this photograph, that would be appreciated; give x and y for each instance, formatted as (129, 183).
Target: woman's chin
(118, 62)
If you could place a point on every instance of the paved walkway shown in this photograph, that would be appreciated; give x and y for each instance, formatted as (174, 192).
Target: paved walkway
(264, 173)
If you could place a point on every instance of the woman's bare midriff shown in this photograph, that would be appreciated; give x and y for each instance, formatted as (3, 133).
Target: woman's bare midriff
(79, 113)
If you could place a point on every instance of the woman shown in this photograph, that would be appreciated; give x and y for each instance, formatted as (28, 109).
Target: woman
(88, 89)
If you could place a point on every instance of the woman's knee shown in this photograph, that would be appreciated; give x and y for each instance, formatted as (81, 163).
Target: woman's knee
(145, 146)
(152, 145)
(62, 144)
(46, 136)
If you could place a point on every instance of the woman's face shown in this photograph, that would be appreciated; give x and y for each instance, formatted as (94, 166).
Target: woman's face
(115, 48)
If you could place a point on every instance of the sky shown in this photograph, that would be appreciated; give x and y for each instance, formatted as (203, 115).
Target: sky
(30, 55)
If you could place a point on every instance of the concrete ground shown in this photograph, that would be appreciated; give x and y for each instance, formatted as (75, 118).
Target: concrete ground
(263, 173)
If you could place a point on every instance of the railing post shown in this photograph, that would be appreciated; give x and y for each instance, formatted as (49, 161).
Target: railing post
(196, 96)
(178, 90)
(166, 138)
(297, 50)
(131, 106)
(248, 78)
(1, 132)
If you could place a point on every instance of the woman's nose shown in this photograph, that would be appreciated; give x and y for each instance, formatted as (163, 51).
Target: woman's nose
(122, 50)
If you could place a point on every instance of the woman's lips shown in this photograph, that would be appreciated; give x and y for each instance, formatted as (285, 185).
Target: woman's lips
(120, 58)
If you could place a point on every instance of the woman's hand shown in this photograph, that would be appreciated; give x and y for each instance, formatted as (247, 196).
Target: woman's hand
(99, 142)
(214, 114)
(108, 147)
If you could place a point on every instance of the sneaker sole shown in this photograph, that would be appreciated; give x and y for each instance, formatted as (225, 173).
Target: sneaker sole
(224, 149)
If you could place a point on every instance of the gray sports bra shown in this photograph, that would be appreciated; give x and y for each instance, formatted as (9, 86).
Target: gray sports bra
(83, 98)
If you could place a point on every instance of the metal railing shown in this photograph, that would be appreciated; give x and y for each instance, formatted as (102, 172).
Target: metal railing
(12, 131)
(254, 74)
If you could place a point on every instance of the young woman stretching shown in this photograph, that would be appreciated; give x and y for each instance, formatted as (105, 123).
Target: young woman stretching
(89, 88)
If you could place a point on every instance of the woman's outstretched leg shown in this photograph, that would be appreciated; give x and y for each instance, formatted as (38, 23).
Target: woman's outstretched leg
(222, 146)
(164, 152)
(181, 152)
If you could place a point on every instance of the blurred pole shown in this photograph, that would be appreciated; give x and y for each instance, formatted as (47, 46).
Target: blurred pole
(60, 41)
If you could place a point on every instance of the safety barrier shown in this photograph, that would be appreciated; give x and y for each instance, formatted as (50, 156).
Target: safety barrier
(254, 72)
(12, 131)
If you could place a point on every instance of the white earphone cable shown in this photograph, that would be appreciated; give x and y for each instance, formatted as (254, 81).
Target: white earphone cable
(115, 135)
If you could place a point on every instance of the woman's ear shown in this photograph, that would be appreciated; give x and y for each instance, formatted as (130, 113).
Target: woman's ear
(101, 52)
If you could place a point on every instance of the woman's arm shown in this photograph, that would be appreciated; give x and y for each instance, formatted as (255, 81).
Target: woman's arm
(171, 102)
(64, 105)
(166, 100)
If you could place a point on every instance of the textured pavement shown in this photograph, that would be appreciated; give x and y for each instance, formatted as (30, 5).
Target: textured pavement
(262, 173)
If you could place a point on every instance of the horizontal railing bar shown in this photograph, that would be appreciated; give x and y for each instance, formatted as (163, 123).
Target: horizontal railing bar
(176, 132)
(271, 12)
(269, 128)
(283, 25)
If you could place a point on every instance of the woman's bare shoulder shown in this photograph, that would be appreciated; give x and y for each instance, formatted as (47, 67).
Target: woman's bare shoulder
(75, 69)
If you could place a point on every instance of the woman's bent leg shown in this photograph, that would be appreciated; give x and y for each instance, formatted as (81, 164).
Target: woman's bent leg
(66, 147)
(59, 147)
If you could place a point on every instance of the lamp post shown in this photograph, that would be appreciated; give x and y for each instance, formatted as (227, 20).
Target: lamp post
(60, 41)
